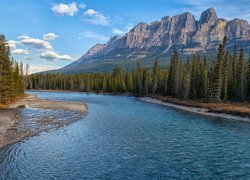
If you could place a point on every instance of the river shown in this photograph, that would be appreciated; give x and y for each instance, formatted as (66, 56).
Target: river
(124, 138)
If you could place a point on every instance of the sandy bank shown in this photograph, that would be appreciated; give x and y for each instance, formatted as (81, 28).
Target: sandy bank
(17, 124)
(34, 102)
(201, 111)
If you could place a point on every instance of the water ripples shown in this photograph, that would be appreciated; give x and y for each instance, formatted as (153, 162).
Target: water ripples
(123, 138)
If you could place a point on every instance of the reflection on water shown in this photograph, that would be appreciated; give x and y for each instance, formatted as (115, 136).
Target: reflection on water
(124, 138)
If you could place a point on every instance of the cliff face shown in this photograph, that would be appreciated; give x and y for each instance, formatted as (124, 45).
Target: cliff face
(180, 32)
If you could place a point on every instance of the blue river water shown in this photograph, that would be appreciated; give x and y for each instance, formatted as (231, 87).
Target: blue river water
(124, 138)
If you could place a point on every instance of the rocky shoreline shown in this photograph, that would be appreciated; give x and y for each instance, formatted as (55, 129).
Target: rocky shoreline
(32, 115)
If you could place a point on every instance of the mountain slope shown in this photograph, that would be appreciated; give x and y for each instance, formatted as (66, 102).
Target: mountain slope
(147, 41)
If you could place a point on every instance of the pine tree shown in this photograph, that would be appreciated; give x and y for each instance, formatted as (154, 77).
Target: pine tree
(145, 82)
(129, 81)
(248, 77)
(173, 78)
(218, 75)
(241, 75)
(138, 79)
(170, 83)
(233, 80)
(6, 70)
(225, 77)
(185, 81)
(195, 78)
(155, 76)
(204, 80)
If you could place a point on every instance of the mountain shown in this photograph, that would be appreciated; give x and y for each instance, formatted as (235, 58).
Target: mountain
(145, 41)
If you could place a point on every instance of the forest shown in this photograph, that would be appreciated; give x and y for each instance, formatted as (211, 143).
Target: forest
(225, 77)
(12, 74)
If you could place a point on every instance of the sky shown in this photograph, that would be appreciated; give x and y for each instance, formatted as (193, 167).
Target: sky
(49, 34)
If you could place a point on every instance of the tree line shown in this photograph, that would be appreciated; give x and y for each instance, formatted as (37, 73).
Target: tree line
(225, 77)
(11, 74)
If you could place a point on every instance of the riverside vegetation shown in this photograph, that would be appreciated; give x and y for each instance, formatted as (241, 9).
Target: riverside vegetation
(225, 77)
(12, 74)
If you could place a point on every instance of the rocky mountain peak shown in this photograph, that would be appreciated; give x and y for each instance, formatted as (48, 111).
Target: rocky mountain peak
(208, 16)
(139, 28)
(95, 49)
(182, 32)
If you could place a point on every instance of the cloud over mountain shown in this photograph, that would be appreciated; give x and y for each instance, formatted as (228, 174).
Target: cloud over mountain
(49, 36)
(65, 9)
(51, 55)
(95, 17)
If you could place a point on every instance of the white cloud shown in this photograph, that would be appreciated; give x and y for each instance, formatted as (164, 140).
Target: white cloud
(91, 35)
(20, 51)
(35, 43)
(95, 17)
(82, 6)
(41, 68)
(23, 37)
(118, 31)
(90, 12)
(68, 9)
(51, 55)
(49, 36)
(13, 44)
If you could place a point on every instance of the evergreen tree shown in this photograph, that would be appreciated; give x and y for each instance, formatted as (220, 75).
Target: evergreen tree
(225, 78)
(145, 82)
(11, 79)
(204, 80)
(129, 81)
(155, 76)
(233, 80)
(241, 75)
(248, 77)
(218, 75)
(185, 81)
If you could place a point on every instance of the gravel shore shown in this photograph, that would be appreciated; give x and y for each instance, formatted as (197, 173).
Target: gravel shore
(201, 111)
(31, 115)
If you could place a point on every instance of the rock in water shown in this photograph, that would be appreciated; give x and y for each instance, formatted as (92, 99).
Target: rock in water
(23, 106)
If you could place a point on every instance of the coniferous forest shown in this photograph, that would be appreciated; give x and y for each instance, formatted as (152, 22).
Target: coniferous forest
(11, 74)
(223, 78)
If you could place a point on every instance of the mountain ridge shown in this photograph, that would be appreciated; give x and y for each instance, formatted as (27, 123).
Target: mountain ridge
(182, 32)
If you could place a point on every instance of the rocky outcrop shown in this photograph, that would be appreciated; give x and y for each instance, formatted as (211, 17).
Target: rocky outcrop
(95, 49)
(180, 32)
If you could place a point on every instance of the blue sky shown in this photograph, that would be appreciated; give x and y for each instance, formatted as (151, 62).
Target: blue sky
(49, 34)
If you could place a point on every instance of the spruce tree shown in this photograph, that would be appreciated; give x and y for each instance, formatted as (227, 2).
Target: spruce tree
(241, 75)
(233, 80)
(225, 77)
(155, 76)
(218, 75)
(145, 82)
(248, 77)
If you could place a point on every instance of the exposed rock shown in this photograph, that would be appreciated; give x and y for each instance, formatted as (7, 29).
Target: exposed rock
(95, 49)
(208, 17)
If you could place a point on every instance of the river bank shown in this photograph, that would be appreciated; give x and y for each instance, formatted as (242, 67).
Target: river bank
(16, 124)
(222, 110)
(235, 110)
